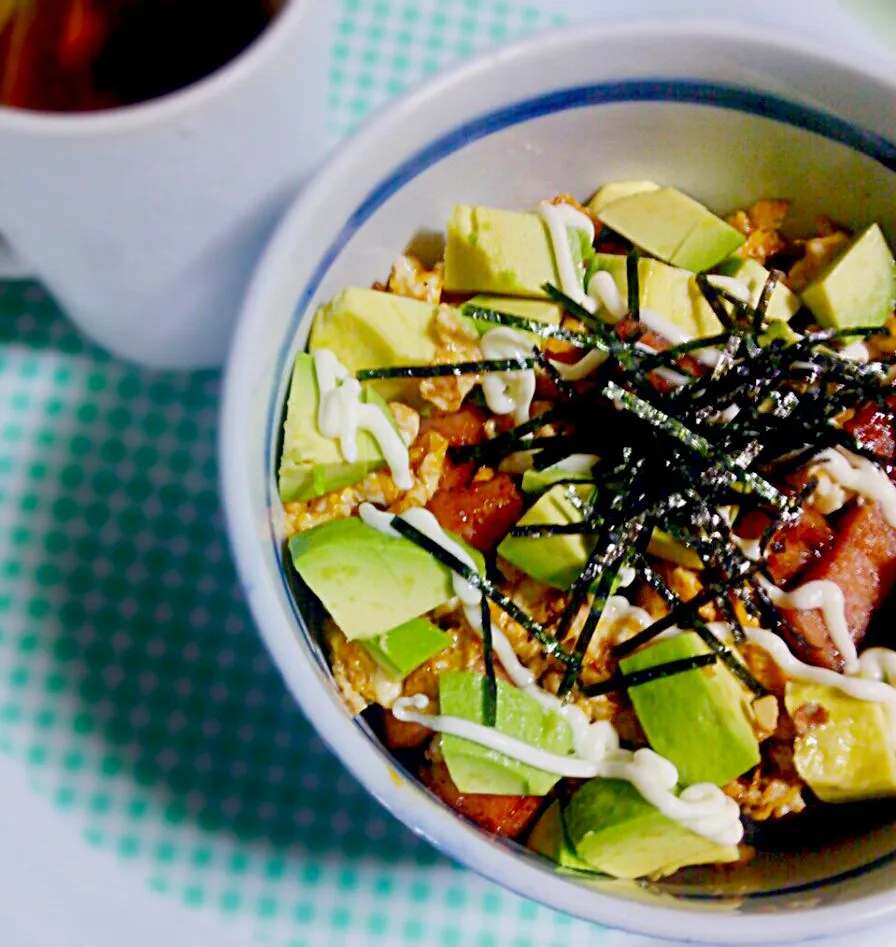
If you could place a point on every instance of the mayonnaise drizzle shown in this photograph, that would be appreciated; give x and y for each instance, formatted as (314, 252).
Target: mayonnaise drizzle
(575, 371)
(508, 392)
(676, 336)
(732, 285)
(559, 219)
(604, 290)
(867, 684)
(341, 414)
(827, 597)
(822, 594)
(703, 808)
(858, 475)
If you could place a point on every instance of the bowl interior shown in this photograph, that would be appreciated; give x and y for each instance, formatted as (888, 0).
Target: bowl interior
(724, 144)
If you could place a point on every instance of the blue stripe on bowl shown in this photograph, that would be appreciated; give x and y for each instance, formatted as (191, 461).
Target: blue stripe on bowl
(715, 95)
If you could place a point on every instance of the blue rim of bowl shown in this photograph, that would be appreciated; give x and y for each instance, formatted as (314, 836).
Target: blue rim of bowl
(714, 95)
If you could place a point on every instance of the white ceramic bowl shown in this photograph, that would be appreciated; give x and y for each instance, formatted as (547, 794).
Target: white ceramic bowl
(727, 116)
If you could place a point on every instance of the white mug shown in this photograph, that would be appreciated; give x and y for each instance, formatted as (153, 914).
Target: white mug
(145, 221)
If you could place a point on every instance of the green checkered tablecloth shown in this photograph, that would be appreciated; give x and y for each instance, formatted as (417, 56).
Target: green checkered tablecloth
(133, 688)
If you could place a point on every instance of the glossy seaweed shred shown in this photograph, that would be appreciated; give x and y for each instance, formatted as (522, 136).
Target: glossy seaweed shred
(622, 682)
(447, 369)
(488, 589)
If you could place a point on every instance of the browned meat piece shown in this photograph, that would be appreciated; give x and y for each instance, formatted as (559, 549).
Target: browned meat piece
(401, 735)
(459, 428)
(481, 513)
(508, 816)
(792, 548)
(862, 561)
(873, 429)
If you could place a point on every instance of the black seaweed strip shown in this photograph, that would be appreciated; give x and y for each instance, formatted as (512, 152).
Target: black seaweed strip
(633, 284)
(544, 329)
(563, 386)
(622, 682)
(552, 647)
(447, 369)
(765, 297)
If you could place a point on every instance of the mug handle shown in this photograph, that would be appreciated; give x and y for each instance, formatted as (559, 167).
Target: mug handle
(11, 266)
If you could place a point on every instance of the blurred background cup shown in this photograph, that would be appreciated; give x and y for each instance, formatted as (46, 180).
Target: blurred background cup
(144, 215)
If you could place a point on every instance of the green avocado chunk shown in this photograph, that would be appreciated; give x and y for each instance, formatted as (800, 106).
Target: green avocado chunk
(615, 830)
(699, 720)
(850, 756)
(477, 769)
(503, 252)
(615, 191)
(537, 481)
(368, 581)
(783, 303)
(367, 328)
(673, 227)
(858, 287)
(669, 291)
(554, 560)
(311, 464)
(549, 838)
(403, 649)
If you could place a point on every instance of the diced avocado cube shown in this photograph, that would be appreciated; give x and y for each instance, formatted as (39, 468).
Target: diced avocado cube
(367, 328)
(368, 581)
(616, 831)
(504, 252)
(699, 720)
(490, 250)
(311, 464)
(554, 560)
(403, 649)
(783, 303)
(669, 291)
(615, 191)
(549, 838)
(558, 560)
(663, 546)
(537, 481)
(538, 310)
(673, 227)
(477, 769)
(851, 755)
(858, 287)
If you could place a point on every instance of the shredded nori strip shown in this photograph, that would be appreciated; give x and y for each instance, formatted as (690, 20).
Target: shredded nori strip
(546, 330)
(447, 368)
(633, 284)
(548, 367)
(765, 297)
(551, 646)
(621, 682)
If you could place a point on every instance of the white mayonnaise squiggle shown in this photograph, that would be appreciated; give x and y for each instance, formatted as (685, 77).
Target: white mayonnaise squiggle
(603, 290)
(857, 475)
(575, 371)
(508, 392)
(705, 809)
(826, 596)
(341, 414)
(878, 664)
(869, 686)
(560, 218)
